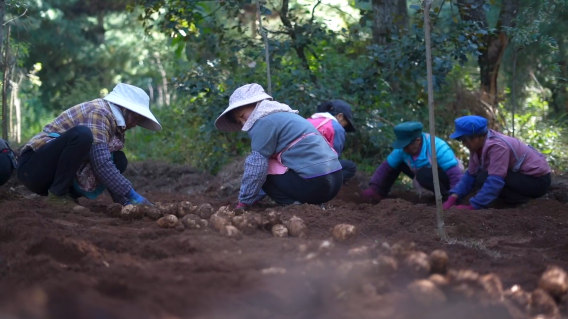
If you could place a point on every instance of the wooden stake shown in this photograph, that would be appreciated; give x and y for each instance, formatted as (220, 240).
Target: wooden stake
(439, 209)
(267, 53)
(5, 88)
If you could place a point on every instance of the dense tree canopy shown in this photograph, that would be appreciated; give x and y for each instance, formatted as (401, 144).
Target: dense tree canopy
(491, 57)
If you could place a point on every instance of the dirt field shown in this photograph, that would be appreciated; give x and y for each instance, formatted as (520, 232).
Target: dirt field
(66, 264)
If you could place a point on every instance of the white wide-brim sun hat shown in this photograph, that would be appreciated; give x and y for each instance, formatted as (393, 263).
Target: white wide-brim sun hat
(245, 95)
(136, 100)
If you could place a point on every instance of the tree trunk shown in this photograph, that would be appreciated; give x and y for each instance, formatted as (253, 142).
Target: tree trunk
(384, 14)
(401, 19)
(492, 47)
(4, 122)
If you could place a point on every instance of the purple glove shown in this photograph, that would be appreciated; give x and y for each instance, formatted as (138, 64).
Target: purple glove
(370, 195)
(465, 207)
(450, 202)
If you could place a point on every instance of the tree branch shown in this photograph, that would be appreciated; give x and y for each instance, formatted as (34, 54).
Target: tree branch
(276, 32)
(314, 11)
(16, 17)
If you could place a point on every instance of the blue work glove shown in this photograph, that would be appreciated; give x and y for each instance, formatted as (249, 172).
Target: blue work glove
(137, 199)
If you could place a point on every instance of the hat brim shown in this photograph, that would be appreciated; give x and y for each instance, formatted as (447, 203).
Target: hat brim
(350, 128)
(399, 144)
(456, 135)
(150, 122)
(226, 124)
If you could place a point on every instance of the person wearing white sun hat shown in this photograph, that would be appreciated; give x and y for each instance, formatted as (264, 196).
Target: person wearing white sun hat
(291, 161)
(78, 154)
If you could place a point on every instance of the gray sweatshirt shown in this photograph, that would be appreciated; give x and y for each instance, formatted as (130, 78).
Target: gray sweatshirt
(311, 157)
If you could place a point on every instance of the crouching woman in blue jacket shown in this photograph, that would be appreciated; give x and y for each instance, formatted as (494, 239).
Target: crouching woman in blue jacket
(290, 160)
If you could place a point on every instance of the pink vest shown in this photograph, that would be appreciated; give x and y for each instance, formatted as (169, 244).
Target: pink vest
(275, 166)
(325, 127)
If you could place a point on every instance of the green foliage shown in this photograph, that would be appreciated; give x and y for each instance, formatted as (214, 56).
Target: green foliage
(200, 52)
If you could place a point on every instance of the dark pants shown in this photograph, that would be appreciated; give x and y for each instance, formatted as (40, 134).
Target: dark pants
(425, 178)
(287, 188)
(54, 165)
(349, 169)
(6, 168)
(519, 188)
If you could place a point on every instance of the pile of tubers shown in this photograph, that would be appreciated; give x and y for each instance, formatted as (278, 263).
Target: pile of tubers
(431, 281)
(234, 224)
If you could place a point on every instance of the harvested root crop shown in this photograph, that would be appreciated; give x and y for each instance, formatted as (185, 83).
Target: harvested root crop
(417, 265)
(279, 230)
(344, 233)
(541, 303)
(554, 281)
(439, 280)
(247, 223)
(272, 217)
(150, 211)
(192, 221)
(296, 227)
(359, 252)
(218, 222)
(426, 293)
(492, 286)
(168, 208)
(130, 212)
(231, 232)
(168, 221)
(439, 262)
(205, 211)
(114, 209)
(518, 297)
(185, 208)
(387, 265)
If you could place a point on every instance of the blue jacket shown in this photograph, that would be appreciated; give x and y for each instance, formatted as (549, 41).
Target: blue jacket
(446, 157)
(338, 138)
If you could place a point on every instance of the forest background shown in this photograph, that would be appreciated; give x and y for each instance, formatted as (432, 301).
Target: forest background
(502, 59)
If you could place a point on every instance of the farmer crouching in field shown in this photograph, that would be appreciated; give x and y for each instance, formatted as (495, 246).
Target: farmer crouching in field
(500, 165)
(412, 156)
(333, 120)
(7, 162)
(290, 161)
(78, 153)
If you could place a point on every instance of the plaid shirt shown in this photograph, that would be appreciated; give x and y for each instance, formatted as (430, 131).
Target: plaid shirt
(98, 117)
(256, 169)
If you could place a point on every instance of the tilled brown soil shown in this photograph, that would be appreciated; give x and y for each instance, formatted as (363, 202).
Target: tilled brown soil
(65, 264)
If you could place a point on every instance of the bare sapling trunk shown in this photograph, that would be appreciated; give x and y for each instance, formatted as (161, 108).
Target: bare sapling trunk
(439, 210)
(267, 52)
(18, 106)
(5, 88)
(4, 122)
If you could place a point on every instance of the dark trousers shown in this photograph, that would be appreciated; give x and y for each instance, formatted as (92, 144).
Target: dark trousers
(54, 165)
(287, 188)
(519, 188)
(349, 169)
(6, 168)
(424, 177)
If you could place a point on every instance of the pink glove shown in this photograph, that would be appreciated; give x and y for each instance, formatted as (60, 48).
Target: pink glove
(465, 207)
(241, 206)
(450, 202)
(370, 195)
